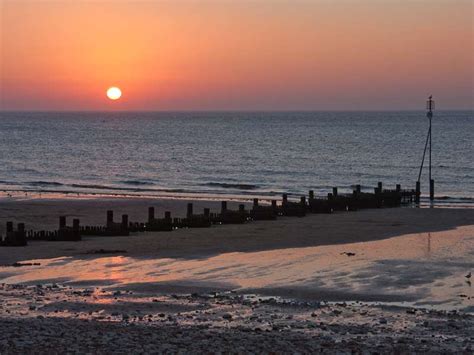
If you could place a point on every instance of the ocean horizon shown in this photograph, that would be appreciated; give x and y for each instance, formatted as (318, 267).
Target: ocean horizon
(233, 153)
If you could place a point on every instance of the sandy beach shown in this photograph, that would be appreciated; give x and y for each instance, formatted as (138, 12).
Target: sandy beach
(382, 280)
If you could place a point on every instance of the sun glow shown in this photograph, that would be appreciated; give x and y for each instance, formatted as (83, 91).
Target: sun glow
(114, 93)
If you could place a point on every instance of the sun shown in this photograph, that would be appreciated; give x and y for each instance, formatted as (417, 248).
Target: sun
(114, 93)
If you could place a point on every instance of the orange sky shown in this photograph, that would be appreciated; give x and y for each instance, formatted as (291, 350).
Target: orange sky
(244, 55)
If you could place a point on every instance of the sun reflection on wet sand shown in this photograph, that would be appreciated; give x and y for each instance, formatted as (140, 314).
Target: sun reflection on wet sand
(425, 268)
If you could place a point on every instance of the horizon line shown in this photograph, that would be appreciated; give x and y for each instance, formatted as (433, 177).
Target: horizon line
(229, 110)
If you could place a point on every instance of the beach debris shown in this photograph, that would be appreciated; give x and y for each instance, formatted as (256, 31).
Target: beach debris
(18, 264)
(348, 253)
(227, 316)
(468, 276)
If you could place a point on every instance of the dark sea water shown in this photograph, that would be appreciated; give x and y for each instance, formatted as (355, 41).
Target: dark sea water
(238, 153)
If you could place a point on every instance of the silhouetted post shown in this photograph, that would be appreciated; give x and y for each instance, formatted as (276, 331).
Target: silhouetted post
(311, 194)
(358, 189)
(255, 202)
(430, 107)
(223, 206)
(207, 212)
(75, 224)
(431, 189)
(303, 200)
(334, 191)
(189, 212)
(284, 201)
(379, 185)
(151, 214)
(62, 222)
(168, 215)
(110, 217)
(398, 188)
(125, 221)
(241, 208)
(274, 205)
(417, 192)
(20, 235)
(9, 227)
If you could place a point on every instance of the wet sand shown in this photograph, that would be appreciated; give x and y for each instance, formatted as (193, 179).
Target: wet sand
(375, 280)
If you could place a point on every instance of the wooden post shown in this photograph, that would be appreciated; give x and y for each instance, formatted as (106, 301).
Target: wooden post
(241, 208)
(9, 227)
(110, 217)
(284, 201)
(334, 191)
(303, 201)
(20, 235)
(62, 222)
(274, 205)
(189, 212)
(311, 194)
(358, 189)
(398, 188)
(255, 202)
(431, 189)
(379, 185)
(151, 214)
(418, 192)
(207, 212)
(223, 206)
(125, 221)
(75, 224)
(168, 215)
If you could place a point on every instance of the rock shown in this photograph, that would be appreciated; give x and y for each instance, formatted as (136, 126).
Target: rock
(227, 316)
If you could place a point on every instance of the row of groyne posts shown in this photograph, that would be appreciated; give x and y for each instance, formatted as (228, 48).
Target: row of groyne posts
(333, 202)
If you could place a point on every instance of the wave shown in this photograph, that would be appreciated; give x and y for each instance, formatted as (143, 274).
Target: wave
(4, 182)
(104, 187)
(130, 189)
(136, 182)
(452, 198)
(232, 186)
(45, 183)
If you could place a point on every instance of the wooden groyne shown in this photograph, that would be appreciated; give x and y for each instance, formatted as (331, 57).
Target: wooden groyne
(14, 238)
(333, 202)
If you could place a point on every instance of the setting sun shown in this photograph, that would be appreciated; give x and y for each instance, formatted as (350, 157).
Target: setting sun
(114, 93)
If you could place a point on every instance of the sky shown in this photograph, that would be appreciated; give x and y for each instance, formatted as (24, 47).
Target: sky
(236, 55)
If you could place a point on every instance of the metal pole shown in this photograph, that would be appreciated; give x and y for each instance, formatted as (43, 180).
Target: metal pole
(430, 116)
(424, 153)
(430, 149)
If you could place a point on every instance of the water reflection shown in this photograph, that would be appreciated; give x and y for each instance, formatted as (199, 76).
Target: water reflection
(426, 268)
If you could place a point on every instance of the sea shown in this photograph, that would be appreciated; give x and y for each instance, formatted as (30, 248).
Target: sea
(234, 154)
